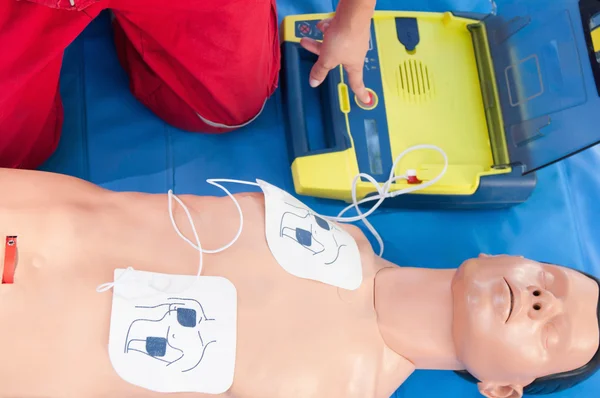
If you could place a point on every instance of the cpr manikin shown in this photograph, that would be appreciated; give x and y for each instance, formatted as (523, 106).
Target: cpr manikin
(509, 321)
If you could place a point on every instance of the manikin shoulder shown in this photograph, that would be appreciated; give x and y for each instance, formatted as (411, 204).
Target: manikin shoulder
(394, 371)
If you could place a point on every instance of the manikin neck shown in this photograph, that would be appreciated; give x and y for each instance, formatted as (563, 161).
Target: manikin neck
(414, 315)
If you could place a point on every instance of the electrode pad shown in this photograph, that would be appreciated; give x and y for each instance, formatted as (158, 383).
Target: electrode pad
(184, 341)
(307, 245)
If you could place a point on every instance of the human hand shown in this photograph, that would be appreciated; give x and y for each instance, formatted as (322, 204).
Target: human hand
(341, 46)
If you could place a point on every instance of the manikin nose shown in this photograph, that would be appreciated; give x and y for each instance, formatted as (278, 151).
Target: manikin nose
(542, 303)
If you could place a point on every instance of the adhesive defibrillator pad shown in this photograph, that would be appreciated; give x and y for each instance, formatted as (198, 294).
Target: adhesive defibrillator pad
(173, 342)
(307, 245)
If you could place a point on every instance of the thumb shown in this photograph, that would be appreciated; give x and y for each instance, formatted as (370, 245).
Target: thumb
(318, 73)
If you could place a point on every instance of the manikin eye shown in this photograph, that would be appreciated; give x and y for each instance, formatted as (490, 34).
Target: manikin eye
(186, 317)
(156, 346)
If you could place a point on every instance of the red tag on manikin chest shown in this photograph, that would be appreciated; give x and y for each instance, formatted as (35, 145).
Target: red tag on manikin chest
(10, 260)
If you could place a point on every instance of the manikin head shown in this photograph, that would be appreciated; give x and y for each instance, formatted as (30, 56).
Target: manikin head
(523, 326)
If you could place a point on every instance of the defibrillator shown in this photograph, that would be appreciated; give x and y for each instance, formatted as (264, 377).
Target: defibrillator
(503, 94)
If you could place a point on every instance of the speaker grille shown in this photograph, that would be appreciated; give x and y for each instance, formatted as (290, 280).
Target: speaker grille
(415, 82)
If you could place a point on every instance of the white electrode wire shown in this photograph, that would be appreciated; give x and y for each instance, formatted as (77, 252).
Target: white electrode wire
(172, 196)
(105, 287)
(215, 182)
(383, 191)
(197, 246)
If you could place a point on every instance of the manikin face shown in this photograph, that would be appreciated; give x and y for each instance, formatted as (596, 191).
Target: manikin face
(516, 320)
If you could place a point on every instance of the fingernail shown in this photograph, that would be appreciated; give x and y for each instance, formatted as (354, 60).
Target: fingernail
(313, 83)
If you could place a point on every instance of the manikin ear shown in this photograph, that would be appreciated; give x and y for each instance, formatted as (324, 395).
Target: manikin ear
(495, 390)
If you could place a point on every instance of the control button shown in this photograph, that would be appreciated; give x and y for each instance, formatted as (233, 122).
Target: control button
(304, 28)
(372, 104)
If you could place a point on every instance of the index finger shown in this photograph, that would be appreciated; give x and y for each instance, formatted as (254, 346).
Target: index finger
(356, 82)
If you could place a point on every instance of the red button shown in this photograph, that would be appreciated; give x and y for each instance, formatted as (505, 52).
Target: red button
(370, 104)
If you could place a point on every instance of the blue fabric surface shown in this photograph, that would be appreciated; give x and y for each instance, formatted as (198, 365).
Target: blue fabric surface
(112, 140)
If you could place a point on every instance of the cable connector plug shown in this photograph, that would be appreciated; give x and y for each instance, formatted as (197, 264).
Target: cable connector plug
(411, 177)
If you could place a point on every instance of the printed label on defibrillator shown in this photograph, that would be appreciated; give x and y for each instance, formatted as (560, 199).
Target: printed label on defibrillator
(173, 342)
(307, 245)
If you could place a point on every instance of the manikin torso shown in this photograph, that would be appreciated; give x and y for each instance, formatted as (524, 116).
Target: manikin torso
(296, 338)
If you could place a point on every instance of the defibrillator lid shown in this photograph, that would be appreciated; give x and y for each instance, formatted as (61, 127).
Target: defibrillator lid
(547, 79)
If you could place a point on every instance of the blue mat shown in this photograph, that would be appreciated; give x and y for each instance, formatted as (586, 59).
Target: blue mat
(112, 140)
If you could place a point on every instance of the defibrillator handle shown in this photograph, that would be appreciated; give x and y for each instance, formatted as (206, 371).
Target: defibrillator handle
(333, 135)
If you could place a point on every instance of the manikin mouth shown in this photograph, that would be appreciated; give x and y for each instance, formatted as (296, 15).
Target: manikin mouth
(512, 300)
